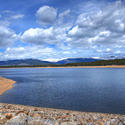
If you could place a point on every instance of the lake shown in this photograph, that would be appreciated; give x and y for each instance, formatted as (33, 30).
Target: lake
(82, 89)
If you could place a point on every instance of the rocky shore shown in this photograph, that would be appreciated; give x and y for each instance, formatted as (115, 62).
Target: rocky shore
(27, 115)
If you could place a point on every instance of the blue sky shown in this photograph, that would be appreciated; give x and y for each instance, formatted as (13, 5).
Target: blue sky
(57, 29)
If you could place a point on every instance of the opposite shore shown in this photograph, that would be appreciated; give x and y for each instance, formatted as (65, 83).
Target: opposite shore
(107, 66)
(5, 84)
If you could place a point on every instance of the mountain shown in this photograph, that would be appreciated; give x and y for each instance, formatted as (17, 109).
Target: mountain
(24, 62)
(27, 62)
(76, 60)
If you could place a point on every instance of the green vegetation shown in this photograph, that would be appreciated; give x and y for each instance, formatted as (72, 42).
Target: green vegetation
(28, 66)
(96, 63)
(99, 63)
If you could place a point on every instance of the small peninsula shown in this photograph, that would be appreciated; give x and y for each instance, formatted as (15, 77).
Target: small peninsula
(5, 84)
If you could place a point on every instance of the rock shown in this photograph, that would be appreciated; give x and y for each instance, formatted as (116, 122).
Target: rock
(27, 115)
(70, 123)
(3, 121)
(21, 111)
(35, 122)
(20, 119)
(120, 123)
(9, 116)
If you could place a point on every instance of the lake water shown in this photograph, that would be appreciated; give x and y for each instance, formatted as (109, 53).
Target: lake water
(83, 89)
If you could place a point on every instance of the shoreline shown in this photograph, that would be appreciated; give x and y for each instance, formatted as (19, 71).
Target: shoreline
(107, 66)
(5, 84)
(30, 115)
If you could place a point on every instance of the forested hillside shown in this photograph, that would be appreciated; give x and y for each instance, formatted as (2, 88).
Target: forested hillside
(99, 63)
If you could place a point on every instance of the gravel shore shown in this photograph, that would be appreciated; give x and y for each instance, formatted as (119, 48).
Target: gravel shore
(27, 115)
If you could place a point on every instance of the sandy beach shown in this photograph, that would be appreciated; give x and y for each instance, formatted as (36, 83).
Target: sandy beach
(5, 84)
(108, 66)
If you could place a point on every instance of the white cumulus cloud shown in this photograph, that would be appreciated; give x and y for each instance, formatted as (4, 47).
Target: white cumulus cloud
(7, 36)
(41, 36)
(46, 15)
(106, 27)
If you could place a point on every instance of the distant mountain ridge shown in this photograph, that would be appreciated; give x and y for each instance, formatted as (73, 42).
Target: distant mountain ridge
(24, 62)
(27, 62)
(76, 60)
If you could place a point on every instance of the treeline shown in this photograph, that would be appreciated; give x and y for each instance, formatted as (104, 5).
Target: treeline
(28, 66)
(96, 63)
(99, 63)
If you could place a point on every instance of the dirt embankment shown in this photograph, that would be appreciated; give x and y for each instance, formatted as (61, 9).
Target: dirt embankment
(5, 84)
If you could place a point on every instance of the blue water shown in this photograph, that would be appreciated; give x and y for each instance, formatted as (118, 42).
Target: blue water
(92, 90)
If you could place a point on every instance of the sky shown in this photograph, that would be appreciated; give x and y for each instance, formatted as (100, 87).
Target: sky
(52, 30)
